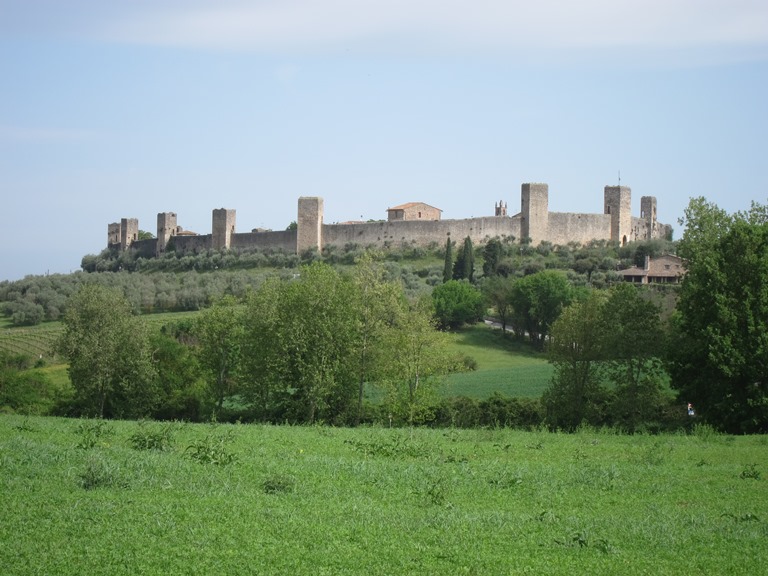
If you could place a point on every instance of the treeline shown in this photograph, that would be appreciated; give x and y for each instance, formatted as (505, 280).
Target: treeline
(175, 282)
(299, 350)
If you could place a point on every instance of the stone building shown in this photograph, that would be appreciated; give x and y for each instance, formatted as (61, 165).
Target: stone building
(413, 211)
(666, 269)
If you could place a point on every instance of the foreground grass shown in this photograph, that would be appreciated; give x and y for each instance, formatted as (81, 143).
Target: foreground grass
(79, 498)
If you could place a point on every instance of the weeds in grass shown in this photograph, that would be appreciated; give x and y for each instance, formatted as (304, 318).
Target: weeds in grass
(748, 517)
(582, 539)
(152, 437)
(278, 483)
(93, 432)
(433, 491)
(213, 449)
(99, 473)
(393, 447)
(506, 479)
(750, 472)
(656, 454)
(25, 426)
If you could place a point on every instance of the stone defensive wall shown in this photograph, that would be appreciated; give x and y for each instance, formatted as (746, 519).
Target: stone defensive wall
(565, 227)
(420, 232)
(534, 222)
(267, 240)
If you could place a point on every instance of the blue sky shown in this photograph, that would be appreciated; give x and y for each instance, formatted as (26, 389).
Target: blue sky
(126, 109)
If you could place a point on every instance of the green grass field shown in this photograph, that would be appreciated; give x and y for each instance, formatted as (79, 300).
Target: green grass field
(503, 365)
(80, 497)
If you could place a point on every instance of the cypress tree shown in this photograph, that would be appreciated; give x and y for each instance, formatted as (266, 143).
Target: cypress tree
(448, 266)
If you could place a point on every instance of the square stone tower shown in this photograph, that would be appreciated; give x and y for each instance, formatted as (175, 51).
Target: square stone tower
(618, 203)
(129, 232)
(113, 234)
(222, 228)
(309, 233)
(534, 210)
(166, 228)
(648, 213)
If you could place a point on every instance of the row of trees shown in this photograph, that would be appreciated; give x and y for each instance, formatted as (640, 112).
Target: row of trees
(299, 350)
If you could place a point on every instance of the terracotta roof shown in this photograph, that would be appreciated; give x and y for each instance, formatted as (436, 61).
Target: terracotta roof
(411, 205)
(665, 266)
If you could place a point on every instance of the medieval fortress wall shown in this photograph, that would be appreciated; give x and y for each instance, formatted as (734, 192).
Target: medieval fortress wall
(413, 224)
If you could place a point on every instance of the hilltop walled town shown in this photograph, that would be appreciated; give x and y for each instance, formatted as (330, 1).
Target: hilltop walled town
(414, 223)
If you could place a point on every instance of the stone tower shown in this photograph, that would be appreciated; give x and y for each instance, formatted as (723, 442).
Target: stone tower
(500, 208)
(534, 200)
(129, 232)
(618, 203)
(648, 213)
(309, 233)
(113, 234)
(222, 228)
(166, 229)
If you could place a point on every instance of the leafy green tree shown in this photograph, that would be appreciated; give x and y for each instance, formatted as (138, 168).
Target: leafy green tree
(498, 293)
(300, 342)
(108, 353)
(537, 301)
(265, 365)
(218, 331)
(178, 375)
(576, 393)
(633, 352)
(464, 267)
(416, 356)
(456, 303)
(492, 255)
(376, 303)
(448, 264)
(719, 356)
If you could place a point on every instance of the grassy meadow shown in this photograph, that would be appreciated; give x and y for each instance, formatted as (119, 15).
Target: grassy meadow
(113, 497)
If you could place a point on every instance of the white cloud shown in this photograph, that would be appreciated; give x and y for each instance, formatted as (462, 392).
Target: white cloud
(384, 26)
(442, 24)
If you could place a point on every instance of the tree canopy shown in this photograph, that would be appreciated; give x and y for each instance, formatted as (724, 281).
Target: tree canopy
(719, 354)
(108, 352)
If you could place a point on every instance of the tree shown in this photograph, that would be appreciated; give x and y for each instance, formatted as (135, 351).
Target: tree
(633, 354)
(448, 264)
(415, 357)
(178, 375)
(218, 331)
(498, 293)
(719, 357)
(376, 303)
(576, 393)
(492, 254)
(537, 301)
(456, 303)
(300, 345)
(108, 353)
(464, 267)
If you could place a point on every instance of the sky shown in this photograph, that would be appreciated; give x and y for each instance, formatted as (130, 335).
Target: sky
(124, 109)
